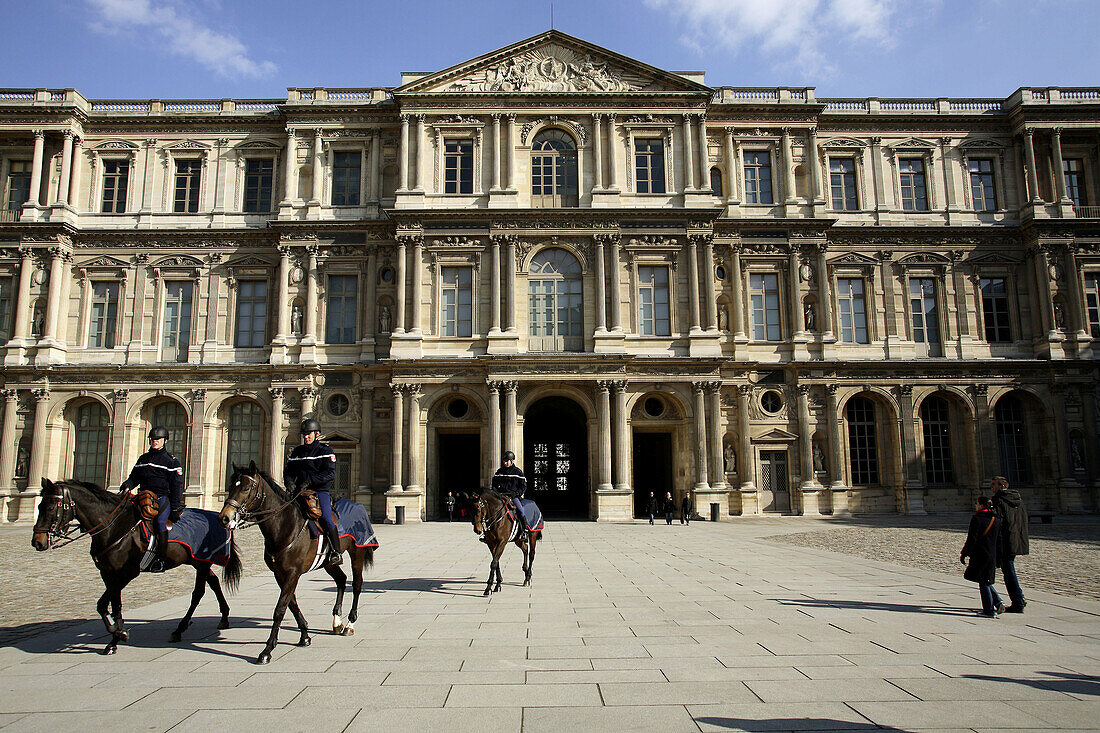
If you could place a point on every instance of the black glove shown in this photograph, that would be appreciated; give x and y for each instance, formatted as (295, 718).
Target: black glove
(174, 516)
(962, 559)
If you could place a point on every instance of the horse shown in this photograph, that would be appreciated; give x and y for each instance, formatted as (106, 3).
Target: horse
(117, 547)
(495, 526)
(255, 497)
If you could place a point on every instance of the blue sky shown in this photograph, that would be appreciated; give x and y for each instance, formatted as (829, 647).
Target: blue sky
(255, 48)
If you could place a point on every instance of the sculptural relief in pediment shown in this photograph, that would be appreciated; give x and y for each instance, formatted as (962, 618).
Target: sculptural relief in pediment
(550, 68)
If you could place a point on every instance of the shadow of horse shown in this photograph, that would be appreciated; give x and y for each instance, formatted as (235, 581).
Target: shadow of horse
(873, 606)
(1071, 683)
(773, 724)
(443, 586)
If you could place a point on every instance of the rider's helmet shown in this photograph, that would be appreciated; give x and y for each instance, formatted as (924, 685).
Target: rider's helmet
(158, 431)
(509, 456)
(310, 426)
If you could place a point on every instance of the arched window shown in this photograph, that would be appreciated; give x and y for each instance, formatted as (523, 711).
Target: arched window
(554, 301)
(90, 444)
(170, 415)
(1012, 439)
(935, 417)
(716, 181)
(553, 170)
(246, 421)
(862, 441)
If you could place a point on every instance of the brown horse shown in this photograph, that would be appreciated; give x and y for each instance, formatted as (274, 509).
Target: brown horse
(254, 497)
(117, 545)
(495, 526)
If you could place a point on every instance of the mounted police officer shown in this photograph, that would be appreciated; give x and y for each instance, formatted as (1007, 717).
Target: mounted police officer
(159, 471)
(312, 465)
(510, 482)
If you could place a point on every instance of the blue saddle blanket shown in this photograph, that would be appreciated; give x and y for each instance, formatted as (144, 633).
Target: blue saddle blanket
(531, 513)
(203, 535)
(352, 521)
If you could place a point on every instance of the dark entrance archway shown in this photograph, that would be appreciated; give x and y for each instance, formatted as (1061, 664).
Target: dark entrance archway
(459, 468)
(652, 470)
(555, 449)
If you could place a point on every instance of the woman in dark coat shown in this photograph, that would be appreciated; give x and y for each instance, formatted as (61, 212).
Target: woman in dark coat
(981, 548)
(670, 507)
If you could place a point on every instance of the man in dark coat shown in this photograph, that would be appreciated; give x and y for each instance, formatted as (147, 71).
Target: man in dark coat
(510, 483)
(1012, 541)
(981, 548)
(670, 507)
(685, 508)
(450, 502)
(652, 507)
(312, 465)
(159, 471)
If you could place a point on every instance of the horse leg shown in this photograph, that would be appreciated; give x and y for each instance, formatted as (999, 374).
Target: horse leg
(338, 610)
(493, 567)
(196, 596)
(357, 556)
(288, 583)
(223, 605)
(530, 559)
(303, 625)
(496, 563)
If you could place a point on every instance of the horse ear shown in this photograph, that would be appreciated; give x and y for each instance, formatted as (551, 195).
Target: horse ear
(252, 468)
(46, 483)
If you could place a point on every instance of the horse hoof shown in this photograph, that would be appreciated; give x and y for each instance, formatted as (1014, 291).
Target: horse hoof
(175, 638)
(223, 624)
(349, 631)
(487, 592)
(264, 658)
(306, 641)
(109, 651)
(123, 635)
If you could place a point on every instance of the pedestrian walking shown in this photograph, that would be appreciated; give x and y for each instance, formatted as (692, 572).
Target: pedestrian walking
(981, 549)
(1011, 513)
(670, 507)
(652, 507)
(685, 508)
(450, 502)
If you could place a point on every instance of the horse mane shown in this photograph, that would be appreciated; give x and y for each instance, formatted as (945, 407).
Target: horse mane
(276, 486)
(98, 492)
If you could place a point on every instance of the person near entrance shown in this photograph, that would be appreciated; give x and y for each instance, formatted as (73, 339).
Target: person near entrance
(450, 502)
(670, 508)
(159, 471)
(652, 507)
(312, 465)
(685, 508)
(510, 482)
(1012, 541)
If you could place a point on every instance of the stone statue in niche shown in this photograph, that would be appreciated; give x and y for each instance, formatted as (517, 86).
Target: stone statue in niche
(723, 319)
(22, 461)
(38, 319)
(819, 458)
(809, 316)
(1059, 315)
(296, 319)
(1076, 453)
(730, 456)
(385, 320)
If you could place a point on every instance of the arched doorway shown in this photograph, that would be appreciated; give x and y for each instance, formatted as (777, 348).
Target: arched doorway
(555, 442)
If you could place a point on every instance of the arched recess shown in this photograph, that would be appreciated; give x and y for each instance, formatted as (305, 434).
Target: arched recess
(171, 413)
(1026, 444)
(555, 180)
(947, 446)
(88, 442)
(242, 426)
(555, 301)
(458, 457)
(872, 450)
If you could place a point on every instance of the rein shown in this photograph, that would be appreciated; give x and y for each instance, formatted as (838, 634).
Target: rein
(65, 504)
(246, 517)
(486, 526)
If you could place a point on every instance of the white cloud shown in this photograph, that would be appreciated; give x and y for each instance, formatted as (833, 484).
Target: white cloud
(182, 34)
(793, 32)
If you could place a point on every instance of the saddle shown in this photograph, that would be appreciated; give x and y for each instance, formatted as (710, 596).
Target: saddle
(307, 499)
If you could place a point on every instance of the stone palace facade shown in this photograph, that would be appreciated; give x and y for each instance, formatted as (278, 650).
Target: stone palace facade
(637, 282)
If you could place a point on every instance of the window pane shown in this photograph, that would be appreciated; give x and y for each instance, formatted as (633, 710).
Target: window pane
(346, 167)
(90, 444)
(862, 441)
(252, 314)
(341, 309)
(257, 184)
(19, 184)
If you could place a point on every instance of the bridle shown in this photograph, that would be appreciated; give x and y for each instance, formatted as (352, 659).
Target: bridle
(483, 510)
(246, 513)
(63, 517)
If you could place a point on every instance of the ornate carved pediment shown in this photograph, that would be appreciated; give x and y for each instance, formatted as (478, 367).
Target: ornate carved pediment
(912, 143)
(843, 142)
(548, 63)
(776, 435)
(187, 145)
(250, 261)
(178, 261)
(103, 261)
(993, 258)
(853, 259)
(258, 145)
(985, 146)
(577, 129)
(112, 145)
(923, 258)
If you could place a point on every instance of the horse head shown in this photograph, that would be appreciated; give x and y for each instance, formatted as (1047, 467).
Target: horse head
(242, 495)
(56, 512)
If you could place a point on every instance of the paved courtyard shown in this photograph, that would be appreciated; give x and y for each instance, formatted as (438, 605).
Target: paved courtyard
(627, 627)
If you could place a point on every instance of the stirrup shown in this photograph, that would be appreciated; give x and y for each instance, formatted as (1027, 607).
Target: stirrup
(157, 566)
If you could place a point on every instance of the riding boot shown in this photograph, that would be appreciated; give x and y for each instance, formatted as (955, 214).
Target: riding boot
(335, 557)
(160, 562)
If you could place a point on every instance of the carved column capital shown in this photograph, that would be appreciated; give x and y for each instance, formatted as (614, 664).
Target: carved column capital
(42, 394)
(9, 394)
(804, 389)
(509, 386)
(308, 392)
(276, 392)
(744, 389)
(494, 385)
(198, 395)
(120, 395)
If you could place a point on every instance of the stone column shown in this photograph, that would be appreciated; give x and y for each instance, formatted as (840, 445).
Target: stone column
(745, 460)
(397, 432)
(601, 287)
(816, 192)
(399, 304)
(494, 425)
(788, 167)
(35, 198)
(23, 296)
(1059, 166)
(58, 258)
(318, 168)
(613, 153)
(616, 286)
(689, 163)
(603, 414)
(1076, 321)
(494, 276)
(737, 318)
(699, 408)
(403, 156)
(714, 436)
(511, 442)
(798, 326)
(366, 443)
(311, 296)
(277, 439)
(1032, 174)
(38, 441)
(836, 454)
(193, 471)
(824, 296)
(414, 281)
(290, 169)
(74, 175)
(370, 293)
(496, 152)
(621, 437)
(707, 273)
(597, 142)
(418, 185)
(118, 460)
(283, 295)
(376, 167)
(693, 282)
(309, 401)
(510, 285)
(8, 442)
(66, 167)
(509, 157)
(704, 157)
(413, 391)
(731, 167)
(914, 475)
(805, 441)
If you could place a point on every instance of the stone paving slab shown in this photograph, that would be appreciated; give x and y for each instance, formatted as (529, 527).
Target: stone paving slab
(708, 627)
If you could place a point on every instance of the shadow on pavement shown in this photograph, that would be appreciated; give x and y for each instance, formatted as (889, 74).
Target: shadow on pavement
(794, 724)
(873, 606)
(446, 586)
(1074, 684)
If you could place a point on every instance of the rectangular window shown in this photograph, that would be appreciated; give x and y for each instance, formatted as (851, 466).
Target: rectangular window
(653, 307)
(764, 297)
(176, 337)
(649, 165)
(6, 309)
(188, 177)
(1074, 171)
(995, 310)
(926, 319)
(116, 180)
(981, 185)
(259, 177)
(842, 182)
(851, 310)
(343, 292)
(458, 166)
(101, 329)
(19, 184)
(346, 178)
(251, 314)
(456, 314)
(758, 177)
(1092, 303)
(914, 196)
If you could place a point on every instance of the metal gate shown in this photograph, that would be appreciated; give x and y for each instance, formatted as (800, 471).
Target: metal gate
(775, 493)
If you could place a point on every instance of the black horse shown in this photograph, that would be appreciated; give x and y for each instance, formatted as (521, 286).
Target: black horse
(117, 546)
(253, 496)
(495, 525)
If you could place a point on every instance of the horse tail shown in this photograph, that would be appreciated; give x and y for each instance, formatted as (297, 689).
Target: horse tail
(231, 576)
(369, 558)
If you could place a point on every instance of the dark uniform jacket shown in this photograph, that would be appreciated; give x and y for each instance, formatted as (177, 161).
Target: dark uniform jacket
(311, 466)
(509, 481)
(1012, 514)
(159, 471)
(981, 548)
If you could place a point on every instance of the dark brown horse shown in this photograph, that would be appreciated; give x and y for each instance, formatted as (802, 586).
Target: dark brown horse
(496, 526)
(117, 546)
(254, 497)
